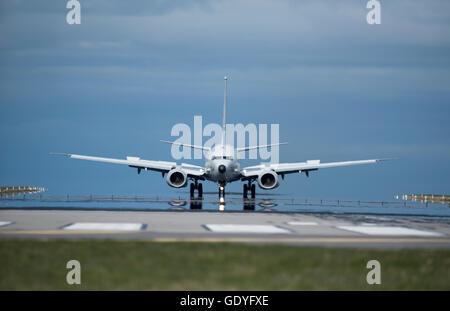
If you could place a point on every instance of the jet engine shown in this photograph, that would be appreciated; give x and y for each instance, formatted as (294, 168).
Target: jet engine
(176, 178)
(268, 179)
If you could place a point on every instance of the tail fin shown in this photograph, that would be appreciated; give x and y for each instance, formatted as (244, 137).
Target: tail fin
(224, 116)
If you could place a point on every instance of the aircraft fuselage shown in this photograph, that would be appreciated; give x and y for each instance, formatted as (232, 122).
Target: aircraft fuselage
(222, 166)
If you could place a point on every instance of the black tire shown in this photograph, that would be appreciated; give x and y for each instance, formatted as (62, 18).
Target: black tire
(196, 205)
(253, 191)
(249, 206)
(192, 190)
(200, 191)
(245, 191)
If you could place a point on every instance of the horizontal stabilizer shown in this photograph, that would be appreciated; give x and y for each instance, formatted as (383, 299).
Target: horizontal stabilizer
(258, 147)
(186, 145)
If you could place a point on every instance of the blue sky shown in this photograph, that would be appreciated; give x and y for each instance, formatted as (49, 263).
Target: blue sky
(339, 88)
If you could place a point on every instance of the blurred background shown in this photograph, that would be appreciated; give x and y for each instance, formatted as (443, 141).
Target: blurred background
(117, 83)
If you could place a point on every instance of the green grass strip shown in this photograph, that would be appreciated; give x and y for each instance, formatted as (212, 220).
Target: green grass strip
(142, 265)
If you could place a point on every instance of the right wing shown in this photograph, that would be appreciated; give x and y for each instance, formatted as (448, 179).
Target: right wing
(135, 162)
(298, 167)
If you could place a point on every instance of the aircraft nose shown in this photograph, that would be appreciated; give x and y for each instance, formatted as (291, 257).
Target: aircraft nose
(222, 168)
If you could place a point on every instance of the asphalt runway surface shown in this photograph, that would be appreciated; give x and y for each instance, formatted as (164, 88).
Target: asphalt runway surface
(262, 227)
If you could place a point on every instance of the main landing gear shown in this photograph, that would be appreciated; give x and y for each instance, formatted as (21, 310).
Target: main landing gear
(252, 189)
(196, 203)
(249, 204)
(198, 187)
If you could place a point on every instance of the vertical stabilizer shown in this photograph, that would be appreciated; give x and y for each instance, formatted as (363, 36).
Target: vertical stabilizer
(224, 120)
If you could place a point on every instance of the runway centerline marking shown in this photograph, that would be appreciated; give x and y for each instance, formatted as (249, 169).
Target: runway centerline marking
(389, 230)
(232, 228)
(104, 226)
(62, 232)
(302, 223)
(5, 223)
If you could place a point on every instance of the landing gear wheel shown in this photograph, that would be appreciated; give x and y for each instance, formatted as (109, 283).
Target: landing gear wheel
(245, 191)
(192, 190)
(200, 190)
(253, 191)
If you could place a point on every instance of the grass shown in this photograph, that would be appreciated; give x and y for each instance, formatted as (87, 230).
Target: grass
(143, 265)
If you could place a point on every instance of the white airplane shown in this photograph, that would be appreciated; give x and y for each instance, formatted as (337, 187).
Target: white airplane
(222, 166)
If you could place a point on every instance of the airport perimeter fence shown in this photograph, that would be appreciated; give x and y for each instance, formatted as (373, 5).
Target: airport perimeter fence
(231, 199)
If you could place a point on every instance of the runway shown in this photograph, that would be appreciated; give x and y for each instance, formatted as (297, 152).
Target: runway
(336, 230)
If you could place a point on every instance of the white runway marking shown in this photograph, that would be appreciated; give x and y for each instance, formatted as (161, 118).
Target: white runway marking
(302, 223)
(230, 228)
(386, 230)
(5, 223)
(105, 226)
(367, 224)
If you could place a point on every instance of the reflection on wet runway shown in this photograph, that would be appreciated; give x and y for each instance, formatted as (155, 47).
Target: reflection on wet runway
(231, 203)
(247, 204)
(283, 204)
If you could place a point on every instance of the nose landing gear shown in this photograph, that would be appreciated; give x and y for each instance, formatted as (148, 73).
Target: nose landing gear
(221, 197)
(221, 192)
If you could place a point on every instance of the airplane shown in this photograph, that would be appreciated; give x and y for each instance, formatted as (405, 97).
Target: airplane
(222, 166)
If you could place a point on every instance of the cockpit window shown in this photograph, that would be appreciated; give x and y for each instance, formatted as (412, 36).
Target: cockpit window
(222, 157)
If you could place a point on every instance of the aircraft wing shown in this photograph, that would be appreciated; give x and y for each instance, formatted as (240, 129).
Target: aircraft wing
(136, 162)
(298, 167)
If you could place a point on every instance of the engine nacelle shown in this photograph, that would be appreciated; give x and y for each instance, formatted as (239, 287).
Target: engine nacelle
(268, 179)
(176, 178)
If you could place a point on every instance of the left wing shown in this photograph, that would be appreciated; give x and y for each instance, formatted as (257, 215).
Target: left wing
(135, 162)
(298, 167)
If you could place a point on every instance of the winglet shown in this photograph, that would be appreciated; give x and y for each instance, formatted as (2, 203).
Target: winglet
(61, 154)
(386, 159)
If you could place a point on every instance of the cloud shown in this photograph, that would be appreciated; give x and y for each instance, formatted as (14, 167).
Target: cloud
(312, 46)
(338, 86)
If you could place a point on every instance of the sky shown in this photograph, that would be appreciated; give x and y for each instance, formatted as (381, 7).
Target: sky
(116, 84)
